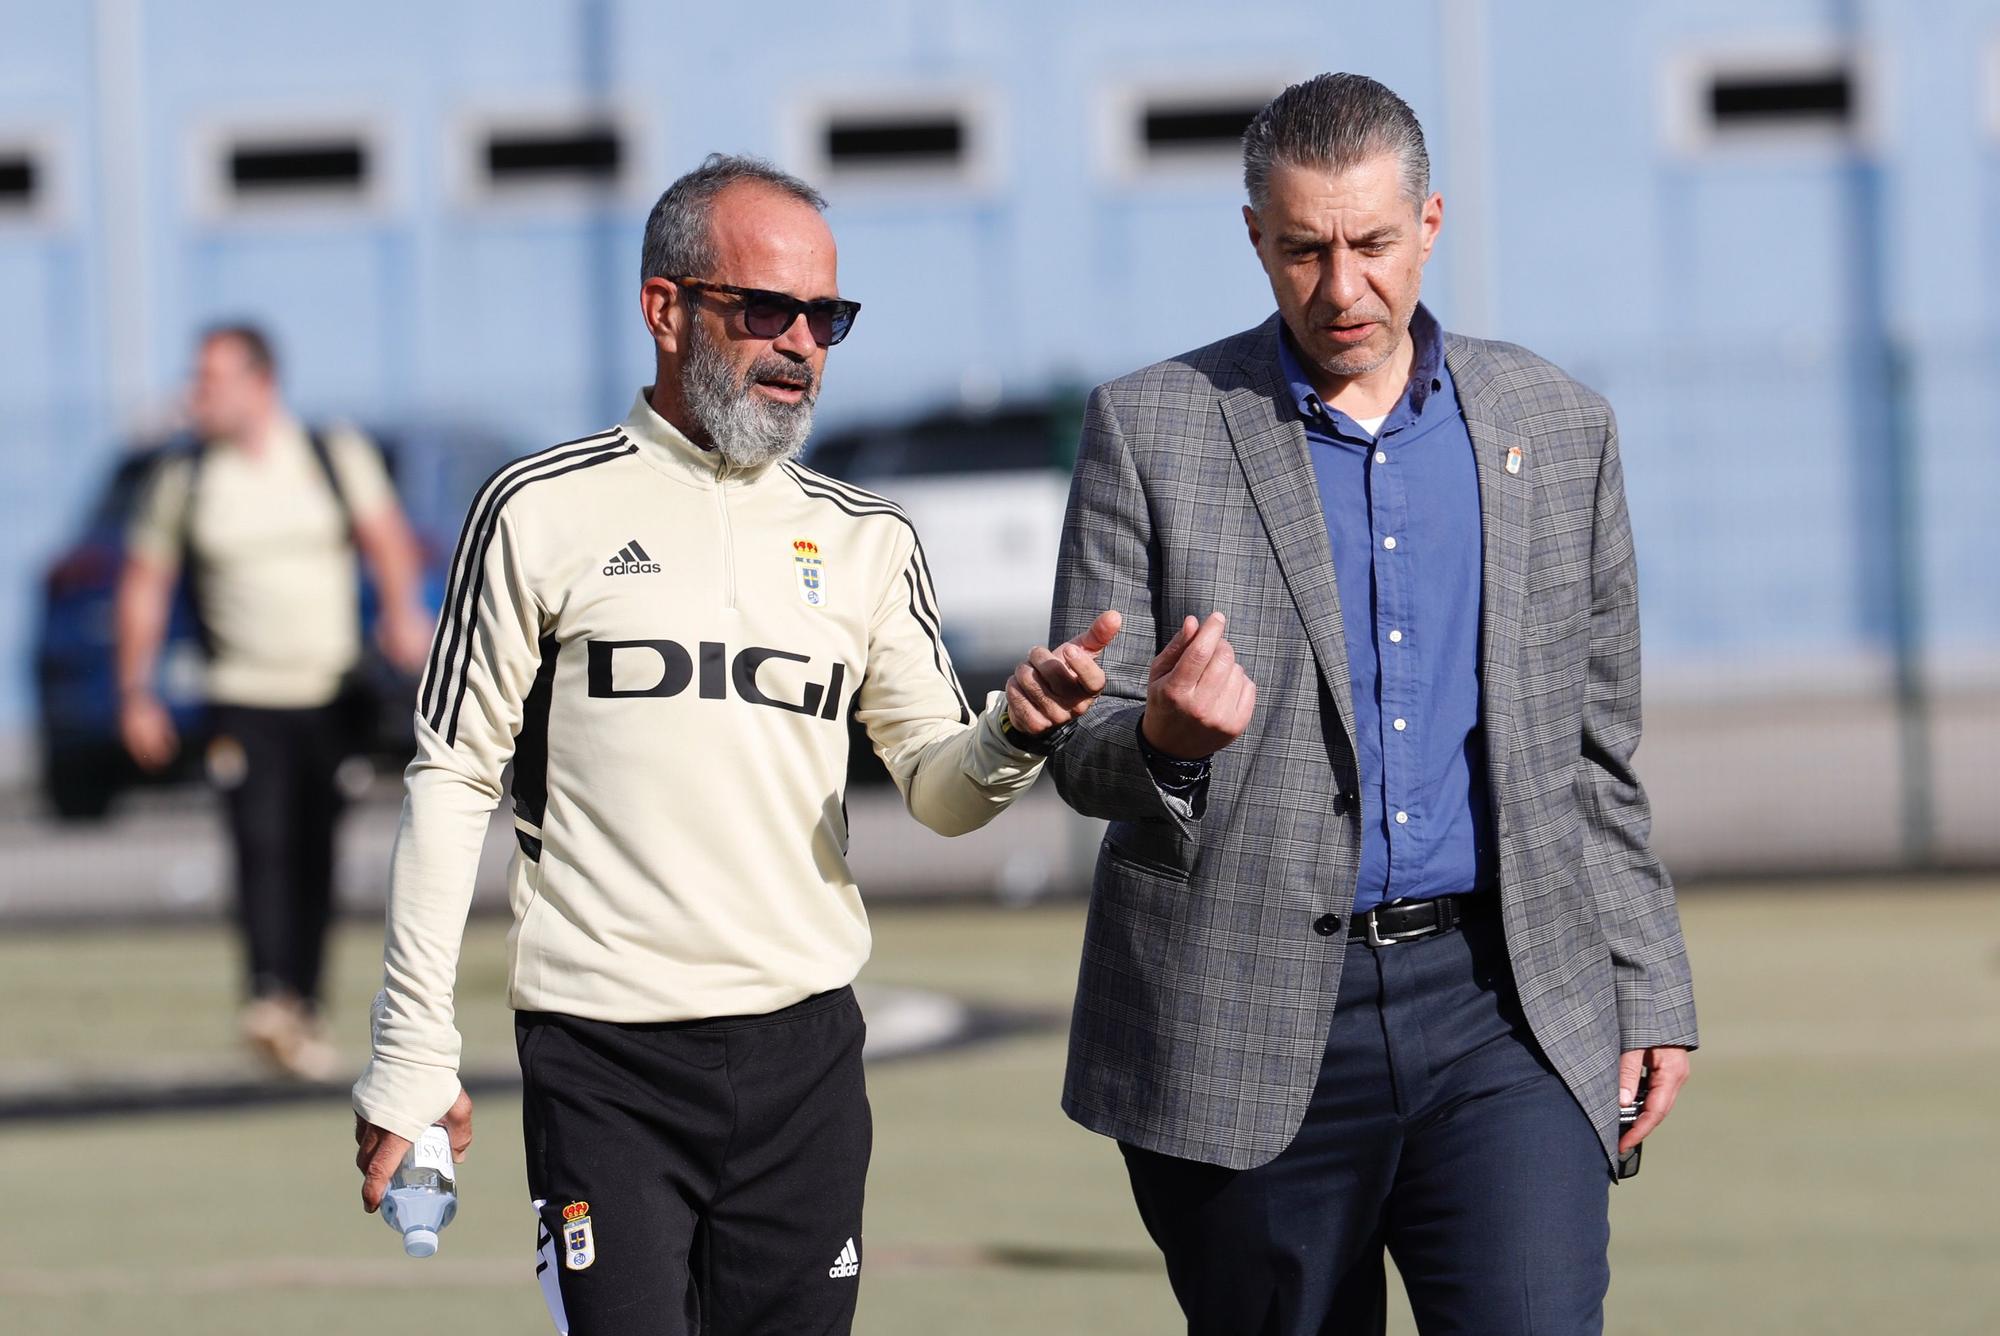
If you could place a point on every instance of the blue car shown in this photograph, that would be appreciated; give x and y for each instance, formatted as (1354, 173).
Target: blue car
(84, 763)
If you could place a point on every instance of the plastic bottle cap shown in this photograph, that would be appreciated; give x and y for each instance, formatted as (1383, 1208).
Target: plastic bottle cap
(420, 1242)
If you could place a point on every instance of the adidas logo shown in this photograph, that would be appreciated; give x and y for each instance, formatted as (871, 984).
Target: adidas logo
(847, 1264)
(631, 559)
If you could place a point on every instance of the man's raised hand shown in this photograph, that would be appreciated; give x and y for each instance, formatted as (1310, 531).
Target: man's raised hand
(1055, 686)
(1198, 698)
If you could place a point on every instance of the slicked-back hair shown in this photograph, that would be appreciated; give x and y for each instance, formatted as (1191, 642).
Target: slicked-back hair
(1334, 122)
(679, 240)
(256, 344)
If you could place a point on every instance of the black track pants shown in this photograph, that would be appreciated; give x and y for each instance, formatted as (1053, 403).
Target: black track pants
(276, 769)
(698, 1176)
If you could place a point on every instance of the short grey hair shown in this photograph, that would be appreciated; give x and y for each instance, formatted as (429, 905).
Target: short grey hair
(1334, 121)
(679, 240)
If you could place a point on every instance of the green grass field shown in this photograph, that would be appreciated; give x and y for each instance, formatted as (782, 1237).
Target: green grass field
(1832, 1169)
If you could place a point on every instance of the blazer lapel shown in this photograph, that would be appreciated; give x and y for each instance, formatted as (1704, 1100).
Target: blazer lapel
(1271, 445)
(1505, 497)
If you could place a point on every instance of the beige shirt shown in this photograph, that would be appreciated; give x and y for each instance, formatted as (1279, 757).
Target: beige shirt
(668, 651)
(274, 560)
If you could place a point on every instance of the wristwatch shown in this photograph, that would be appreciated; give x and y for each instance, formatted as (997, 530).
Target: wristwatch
(1035, 744)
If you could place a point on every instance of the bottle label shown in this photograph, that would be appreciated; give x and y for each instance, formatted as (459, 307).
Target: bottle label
(433, 1151)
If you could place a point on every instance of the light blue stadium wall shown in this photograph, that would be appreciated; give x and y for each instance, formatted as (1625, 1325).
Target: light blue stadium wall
(1726, 300)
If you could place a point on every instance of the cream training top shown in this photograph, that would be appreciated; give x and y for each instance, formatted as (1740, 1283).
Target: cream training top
(274, 569)
(668, 650)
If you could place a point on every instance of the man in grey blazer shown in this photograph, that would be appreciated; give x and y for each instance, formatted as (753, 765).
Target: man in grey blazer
(1377, 947)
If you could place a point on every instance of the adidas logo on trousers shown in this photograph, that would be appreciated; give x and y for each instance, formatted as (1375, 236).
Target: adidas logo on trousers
(847, 1264)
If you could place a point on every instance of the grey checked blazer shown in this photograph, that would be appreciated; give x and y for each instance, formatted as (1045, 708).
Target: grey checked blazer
(1205, 994)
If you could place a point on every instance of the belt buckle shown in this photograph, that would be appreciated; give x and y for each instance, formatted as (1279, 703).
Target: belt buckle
(1375, 937)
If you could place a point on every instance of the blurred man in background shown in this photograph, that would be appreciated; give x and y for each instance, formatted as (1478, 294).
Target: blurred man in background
(1382, 972)
(265, 518)
(664, 626)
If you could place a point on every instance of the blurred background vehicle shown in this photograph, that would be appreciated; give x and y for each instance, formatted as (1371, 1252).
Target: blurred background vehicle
(84, 765)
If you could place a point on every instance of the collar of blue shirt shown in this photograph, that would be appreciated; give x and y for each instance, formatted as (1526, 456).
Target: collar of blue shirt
(1427, 371)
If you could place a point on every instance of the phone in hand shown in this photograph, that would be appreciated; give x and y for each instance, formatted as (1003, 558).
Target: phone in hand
(1628, 1114)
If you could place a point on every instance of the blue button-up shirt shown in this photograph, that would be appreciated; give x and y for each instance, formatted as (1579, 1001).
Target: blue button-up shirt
(1402, 512)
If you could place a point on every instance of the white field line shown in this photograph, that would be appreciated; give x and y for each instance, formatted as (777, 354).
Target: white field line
(901, 1021)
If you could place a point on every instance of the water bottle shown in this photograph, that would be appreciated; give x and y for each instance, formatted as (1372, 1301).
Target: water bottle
(423, 1196)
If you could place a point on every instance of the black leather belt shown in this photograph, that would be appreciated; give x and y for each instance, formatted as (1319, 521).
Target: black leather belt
(1412, 920)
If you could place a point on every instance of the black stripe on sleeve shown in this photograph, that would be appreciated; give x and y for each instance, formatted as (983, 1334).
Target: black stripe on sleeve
(923, 607)
(847, 500)
(456, 578)
(926, 591)
(815, 483)
(554, 467)
(938, 656)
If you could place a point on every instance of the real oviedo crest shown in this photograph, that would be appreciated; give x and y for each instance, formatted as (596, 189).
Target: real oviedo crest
(811, 570)
(579, 1247)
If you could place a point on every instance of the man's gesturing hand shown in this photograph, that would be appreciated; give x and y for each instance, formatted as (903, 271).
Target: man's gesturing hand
(381, 1150)
(1199, 699)
(1055, 686)
(1667, 1070)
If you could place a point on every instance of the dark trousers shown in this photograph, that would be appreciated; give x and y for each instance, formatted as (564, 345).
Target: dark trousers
(719, 1165)
(275, 769)
(1437, 1131)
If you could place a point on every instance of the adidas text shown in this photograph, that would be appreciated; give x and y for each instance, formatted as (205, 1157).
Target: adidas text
(632, 560)
(847, 1265)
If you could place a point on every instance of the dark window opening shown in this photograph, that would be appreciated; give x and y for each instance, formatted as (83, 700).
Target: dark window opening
(933, 141)
(333, 165)
(1823, 97)
(1197, 127)
(17, 180)
(591, 154)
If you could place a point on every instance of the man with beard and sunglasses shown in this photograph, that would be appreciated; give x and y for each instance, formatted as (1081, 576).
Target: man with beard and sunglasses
(665, 626)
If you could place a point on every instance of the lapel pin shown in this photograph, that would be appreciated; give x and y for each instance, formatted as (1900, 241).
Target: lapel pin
(1513, 459)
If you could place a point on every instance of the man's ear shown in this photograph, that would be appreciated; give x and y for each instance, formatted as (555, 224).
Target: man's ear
(1250, 224)
(1430, 221)
(661, 307)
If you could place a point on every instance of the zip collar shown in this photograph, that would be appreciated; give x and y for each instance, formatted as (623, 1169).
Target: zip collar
(668, 448)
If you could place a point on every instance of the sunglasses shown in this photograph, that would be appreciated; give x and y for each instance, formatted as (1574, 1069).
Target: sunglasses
(767, 314)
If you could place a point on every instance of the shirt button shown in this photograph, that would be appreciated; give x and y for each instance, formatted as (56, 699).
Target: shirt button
(1395, 637)
(1326, 925)
(1402, 818)
(1381, 458)
(1388, 542)
(1402, 724)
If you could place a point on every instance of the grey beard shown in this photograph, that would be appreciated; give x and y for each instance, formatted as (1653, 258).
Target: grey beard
(748, 431)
